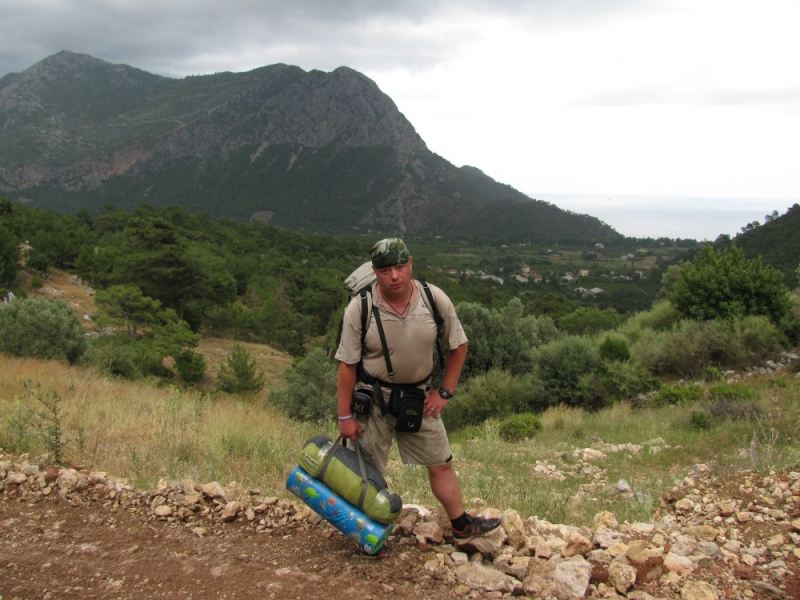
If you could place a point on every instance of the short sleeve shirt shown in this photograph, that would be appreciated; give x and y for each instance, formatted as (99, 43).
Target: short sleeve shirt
(410, 339)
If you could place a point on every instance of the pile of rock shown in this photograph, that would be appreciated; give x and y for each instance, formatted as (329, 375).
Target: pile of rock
(784, 363)
(707, 541)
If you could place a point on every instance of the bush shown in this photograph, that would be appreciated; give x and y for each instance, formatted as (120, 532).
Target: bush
(112, 359)
(519, 427)
(700, 419)
(690, 347)
(734, 410)
(191, 366)
(589, 321)
(731, 392)
(614, 381)
(43, 328)
(493, 394)
(677, 394)
(239, 375)
(614, 348)
(559, 367)
(723, 284)
(661, 317)
(502, 339)
(311, 391)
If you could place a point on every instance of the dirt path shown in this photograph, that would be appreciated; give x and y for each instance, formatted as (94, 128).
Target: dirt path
(66, 534)
(52, 549)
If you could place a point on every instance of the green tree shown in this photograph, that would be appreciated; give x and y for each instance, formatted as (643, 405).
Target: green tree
(8, 256)
(495, 339)
(724, 284)
(310, 394)
(128, 302)
(240, 375)
(43, 328)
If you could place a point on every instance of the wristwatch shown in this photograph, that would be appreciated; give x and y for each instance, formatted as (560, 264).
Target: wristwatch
(445, 393)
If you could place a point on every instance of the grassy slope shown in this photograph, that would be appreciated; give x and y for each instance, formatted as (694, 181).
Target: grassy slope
(143, 432)
(146, 433)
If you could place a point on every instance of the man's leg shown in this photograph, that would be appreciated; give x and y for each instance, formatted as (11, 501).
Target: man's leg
(444, 485)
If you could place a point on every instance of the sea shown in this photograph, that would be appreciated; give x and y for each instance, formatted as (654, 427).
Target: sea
(670, 216)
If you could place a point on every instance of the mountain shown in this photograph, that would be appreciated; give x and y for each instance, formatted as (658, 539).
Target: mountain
(305, 150)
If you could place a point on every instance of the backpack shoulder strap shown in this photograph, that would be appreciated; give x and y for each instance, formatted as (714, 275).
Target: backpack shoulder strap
(429, 301)
(365, 296)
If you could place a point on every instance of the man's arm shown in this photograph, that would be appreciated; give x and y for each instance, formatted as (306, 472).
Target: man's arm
(345, 384)
(455, 362)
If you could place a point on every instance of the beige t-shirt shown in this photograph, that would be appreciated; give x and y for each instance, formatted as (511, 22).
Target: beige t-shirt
(410, 339)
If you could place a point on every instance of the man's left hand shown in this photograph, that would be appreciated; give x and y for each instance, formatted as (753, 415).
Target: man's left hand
(434, 404)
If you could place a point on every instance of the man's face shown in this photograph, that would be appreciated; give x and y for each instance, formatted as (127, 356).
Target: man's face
(395, 281)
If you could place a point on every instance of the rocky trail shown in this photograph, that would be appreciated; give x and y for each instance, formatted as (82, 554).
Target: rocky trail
(67, 533)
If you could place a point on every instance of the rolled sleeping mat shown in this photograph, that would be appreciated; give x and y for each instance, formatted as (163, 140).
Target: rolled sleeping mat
(342, 474)
(369, 535)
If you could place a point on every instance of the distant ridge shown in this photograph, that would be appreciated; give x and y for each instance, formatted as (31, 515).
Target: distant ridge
(319, 151)
(777, 242)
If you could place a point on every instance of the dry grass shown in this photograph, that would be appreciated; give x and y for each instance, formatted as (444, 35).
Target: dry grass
(146, 433)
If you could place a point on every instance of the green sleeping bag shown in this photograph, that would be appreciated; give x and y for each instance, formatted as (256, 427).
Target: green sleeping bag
(342, 474)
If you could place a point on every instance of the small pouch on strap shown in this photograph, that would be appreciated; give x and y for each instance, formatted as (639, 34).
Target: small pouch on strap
(407, 405)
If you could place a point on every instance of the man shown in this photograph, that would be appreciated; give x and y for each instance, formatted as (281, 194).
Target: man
(410, 334)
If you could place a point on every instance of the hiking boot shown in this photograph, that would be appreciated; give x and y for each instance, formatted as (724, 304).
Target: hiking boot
(377, 555)
(477, 527)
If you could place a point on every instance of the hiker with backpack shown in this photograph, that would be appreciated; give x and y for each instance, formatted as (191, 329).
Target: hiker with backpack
(385, 359)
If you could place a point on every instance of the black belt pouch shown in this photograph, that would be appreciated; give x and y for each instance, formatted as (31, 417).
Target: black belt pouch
(407, 404)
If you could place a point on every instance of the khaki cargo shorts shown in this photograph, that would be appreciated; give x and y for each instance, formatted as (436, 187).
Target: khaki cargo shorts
(428, 446)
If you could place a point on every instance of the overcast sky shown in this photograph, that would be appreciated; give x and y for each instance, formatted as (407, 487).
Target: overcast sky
(690, 98)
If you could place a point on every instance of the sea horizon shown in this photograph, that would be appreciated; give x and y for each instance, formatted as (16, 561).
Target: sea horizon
(700, 218)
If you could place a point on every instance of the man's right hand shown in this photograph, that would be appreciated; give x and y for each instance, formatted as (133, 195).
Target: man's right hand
(350, 430)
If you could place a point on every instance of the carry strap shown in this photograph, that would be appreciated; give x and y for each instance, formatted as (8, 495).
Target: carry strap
(376, 388)
(437, 318)
(361, 467)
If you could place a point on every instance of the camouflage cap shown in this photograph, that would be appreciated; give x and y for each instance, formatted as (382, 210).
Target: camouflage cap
(388, 253)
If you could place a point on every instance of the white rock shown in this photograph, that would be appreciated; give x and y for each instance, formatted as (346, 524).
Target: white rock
(621, 576)
(678, 564)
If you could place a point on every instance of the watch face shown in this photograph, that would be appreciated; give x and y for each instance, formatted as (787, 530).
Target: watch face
(445, 393)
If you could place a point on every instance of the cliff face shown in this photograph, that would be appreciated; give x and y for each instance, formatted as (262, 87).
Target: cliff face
(321, 151)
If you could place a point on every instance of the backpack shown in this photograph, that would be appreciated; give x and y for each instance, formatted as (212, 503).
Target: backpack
(359, 285)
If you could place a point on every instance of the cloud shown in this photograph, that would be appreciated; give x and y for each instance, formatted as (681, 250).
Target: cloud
(200, 36)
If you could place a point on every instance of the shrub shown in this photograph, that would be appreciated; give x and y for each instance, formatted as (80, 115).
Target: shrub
(614, 381)
(691, 346)
(614, 348)
(661, 317)
(724, 284)
(191, 366)
(677, 394)
(311, 391)
(240, 375)
(43, 328)
(731, 392)
(700, 419)
(112, 359)
(760, 338)
(558, 371)
(562, 417)
(519, 427)
(493, 394)
(589, 321)
(734, 410)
